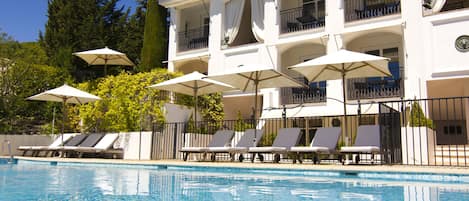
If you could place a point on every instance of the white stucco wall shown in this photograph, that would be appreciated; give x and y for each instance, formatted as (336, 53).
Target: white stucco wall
(426, 47)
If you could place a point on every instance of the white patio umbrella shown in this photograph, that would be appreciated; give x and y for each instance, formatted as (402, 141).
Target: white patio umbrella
(343, 64)
(193, 84)
(65, 94)
(104, 56)
(255, 77)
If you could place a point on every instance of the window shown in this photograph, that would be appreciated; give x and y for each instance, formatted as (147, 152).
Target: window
(394, 68)
(314, 8)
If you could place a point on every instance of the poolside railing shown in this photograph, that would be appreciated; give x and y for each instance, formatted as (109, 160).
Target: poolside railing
(426, 132)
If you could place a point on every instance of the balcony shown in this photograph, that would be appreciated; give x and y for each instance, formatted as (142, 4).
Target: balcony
(374, 88)
(367, 9)
(193, 39)
(455, 5)
(316, 93)
(299, 19)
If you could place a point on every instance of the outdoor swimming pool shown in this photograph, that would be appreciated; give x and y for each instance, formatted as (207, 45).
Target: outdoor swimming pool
(77, 181)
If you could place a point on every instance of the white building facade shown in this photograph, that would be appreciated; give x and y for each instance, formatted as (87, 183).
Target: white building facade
(425, 40)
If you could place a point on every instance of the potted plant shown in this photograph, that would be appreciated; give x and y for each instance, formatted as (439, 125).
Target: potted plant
(417, 137)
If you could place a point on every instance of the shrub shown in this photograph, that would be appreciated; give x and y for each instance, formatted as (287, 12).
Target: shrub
(417, 117)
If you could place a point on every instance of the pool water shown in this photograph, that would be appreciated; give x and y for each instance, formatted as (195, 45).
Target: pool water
(43, 181)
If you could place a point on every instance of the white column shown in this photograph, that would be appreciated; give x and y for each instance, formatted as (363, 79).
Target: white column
(334, 24)
(172, 41)
(417, 52)
(215, 63)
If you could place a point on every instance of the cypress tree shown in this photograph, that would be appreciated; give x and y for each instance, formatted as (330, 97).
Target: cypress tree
(154, 38)
(80, 25)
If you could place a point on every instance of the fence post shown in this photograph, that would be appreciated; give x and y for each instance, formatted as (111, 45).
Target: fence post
(175, 134)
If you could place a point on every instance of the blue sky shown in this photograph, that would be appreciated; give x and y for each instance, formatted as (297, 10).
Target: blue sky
(23, 19)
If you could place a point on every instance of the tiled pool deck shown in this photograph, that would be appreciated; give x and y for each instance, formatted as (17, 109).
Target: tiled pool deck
(266, 165)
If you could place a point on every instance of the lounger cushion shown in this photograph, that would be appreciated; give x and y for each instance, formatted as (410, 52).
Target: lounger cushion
(221, 138)
(360, 149)
(247, 140)
(311, 149)
(57, 142)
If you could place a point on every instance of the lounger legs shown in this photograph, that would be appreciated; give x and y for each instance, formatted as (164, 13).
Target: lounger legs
(241, 158)
(213, 157)
(276, 158)
(185, 156)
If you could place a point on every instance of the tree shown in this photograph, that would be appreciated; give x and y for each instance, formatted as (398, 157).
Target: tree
(23, 73)
(132, 42)
(126, 102)
(154, 38)
(81, 25)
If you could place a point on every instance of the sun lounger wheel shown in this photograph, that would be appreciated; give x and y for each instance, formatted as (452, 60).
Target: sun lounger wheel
(357, 159)
(315, 159)
(276, 158)
(212, 157)
(241, 158)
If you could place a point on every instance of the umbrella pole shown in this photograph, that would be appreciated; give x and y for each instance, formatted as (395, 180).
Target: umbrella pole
(256, 82)
(105, 67)
(64, 113)
(195, 105)
(345, 108)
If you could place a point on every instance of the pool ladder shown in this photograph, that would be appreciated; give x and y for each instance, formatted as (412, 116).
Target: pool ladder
(10, 160)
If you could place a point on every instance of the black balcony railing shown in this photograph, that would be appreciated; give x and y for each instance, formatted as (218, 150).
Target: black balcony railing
(193, 39)
(455, 5)
(303, 95)
(298, 19)
(366, 9)
(363, 88)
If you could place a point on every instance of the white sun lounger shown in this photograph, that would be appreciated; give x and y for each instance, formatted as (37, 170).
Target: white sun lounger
(59, 141)
(286, 138)
(245, 142)
(324, 142)
(366, 142)
(103, 146)
(221, 138)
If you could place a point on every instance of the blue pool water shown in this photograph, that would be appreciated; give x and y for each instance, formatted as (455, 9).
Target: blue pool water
(76, 181)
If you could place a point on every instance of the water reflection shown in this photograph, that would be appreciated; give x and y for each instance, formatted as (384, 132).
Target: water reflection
(108, 183)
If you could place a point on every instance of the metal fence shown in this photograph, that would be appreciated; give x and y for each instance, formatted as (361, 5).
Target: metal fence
(430, 132)
(427, 132)
(169, 138)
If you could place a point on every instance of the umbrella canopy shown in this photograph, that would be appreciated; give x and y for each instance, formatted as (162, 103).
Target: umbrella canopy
(104, 56)
(253, 78)
(193, 84)
(343, 64)
(65, 94)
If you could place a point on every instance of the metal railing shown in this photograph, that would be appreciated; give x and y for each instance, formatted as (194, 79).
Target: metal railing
(455, 5)
(364, 9)
(425, 132)
(361, 88)
(8, 143)
(428, 132)
(169, 138)
(295, 19)
(192, 39)
(303, 95)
